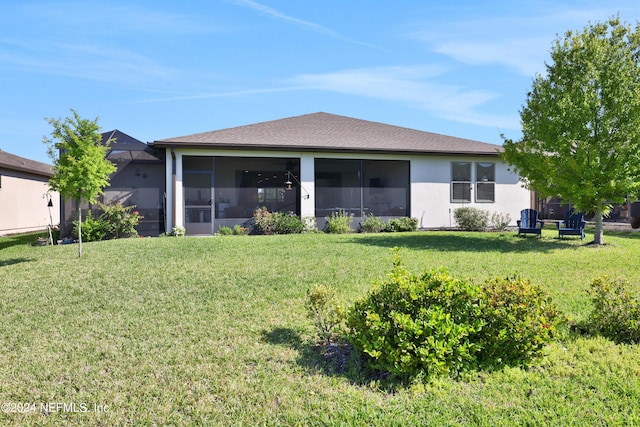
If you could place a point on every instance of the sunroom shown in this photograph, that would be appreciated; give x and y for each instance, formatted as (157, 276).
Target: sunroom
(226, 190)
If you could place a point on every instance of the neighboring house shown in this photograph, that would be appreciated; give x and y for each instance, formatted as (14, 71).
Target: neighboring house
(25, 195)
(139, 181)
(318, 164)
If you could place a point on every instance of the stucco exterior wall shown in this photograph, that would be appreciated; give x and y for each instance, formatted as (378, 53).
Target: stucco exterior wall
(23, 204)
(431, 191)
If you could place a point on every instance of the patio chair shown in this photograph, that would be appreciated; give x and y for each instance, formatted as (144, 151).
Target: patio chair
(529, 222)
(573, 225)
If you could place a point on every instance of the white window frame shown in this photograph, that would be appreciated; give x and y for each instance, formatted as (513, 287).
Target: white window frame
(455, 183)
(485, 181)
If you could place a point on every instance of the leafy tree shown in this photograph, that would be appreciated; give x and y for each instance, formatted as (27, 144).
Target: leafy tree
(581, 122)
(81, 169)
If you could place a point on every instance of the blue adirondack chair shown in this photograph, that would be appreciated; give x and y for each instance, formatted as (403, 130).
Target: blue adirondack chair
(573, 225)
(529, 222)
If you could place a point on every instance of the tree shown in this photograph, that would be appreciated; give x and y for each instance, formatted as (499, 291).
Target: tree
(81, 169)
(581, 122)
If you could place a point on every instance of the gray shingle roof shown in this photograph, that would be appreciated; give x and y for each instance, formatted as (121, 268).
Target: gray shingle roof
(21, 164)
(329, 132)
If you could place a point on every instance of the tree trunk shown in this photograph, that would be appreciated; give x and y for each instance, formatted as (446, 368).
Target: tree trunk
(79, 231)
(598, 234)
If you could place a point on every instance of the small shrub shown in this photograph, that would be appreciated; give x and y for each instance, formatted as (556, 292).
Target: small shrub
(225, 231)
(309, 224)
(421, 324)
(276, 222)
(177, 231)
(499, 221)
(326, 314)
(264, 221)
(401, 224)
(339, 223)
(287, 223)
(239, 230)
(93, 229)
(121, 220)
(471, 219)
(521, 320)
(372, 224)
(616, 310)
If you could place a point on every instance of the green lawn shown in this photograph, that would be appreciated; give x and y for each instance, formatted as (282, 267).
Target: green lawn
(213, 331)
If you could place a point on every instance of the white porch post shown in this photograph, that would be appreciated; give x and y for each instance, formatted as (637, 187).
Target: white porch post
(307, 179)
(168, 201)
(179, 213)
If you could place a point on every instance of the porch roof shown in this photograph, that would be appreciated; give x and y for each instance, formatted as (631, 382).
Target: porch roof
(330, 132)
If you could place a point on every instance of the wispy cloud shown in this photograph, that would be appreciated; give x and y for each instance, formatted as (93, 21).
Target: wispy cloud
(416, 87)
(85, 61)
(413, 86)
(518, 42)
(93, 41)
(226, 94)
(308, 25)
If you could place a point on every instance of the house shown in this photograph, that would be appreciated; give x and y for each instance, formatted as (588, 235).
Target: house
(25, 195)
(317, 164)
(138, 181)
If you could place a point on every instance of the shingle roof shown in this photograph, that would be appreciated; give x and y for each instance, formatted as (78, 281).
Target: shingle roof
(21, 164)
(329, 132)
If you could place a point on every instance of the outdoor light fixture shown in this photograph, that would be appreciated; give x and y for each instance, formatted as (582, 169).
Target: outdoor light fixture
(289, 184)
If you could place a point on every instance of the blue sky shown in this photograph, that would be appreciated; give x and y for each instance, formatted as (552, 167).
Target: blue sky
(159, 69)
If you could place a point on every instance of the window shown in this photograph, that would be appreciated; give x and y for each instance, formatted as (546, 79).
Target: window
(461, 182)
(485, 182)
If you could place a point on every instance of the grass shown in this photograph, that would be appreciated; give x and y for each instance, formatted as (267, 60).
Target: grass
(213, 331)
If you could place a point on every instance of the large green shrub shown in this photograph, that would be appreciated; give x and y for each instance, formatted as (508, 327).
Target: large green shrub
(520, 321)
(339, 223)
(471, 219)
(616, 310)
(435, 324)
(413, 324)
